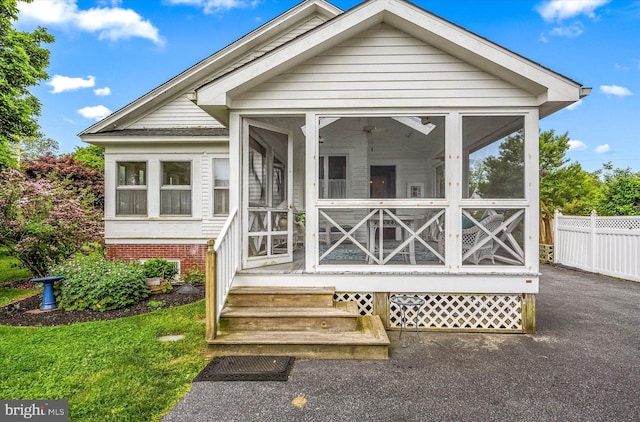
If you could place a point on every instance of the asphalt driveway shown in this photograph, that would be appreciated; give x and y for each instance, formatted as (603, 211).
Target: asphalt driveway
(582, 365)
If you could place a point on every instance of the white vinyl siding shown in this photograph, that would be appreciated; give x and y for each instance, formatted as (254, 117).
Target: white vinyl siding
(179, 113)
(273, 44)
(382, 64)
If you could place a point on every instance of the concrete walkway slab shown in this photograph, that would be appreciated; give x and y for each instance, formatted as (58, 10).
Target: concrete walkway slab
(582, 365)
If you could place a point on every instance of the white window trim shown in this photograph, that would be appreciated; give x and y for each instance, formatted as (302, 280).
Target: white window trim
(131, 187)
(176, 187)
(324, 195)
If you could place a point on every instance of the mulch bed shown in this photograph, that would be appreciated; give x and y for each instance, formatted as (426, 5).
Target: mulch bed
(17, 313)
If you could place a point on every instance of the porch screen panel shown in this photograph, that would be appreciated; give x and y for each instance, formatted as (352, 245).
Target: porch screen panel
(257, 174)
(494, 155)
(350, 147)
(493, 236)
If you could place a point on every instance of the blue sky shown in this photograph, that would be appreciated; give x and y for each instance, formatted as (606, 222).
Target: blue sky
(107, 53)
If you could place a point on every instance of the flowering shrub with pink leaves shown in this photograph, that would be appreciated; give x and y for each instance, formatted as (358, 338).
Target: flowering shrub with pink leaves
(44, 222)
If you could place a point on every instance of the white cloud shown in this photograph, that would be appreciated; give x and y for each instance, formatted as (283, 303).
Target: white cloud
(618, 91)
(95, 112)
(109, 22)
(61, 83)
(575, 105)
(213, 6)
(571, 31)
(102, 92)
(559, 10)
(603, 149)
(575, 145)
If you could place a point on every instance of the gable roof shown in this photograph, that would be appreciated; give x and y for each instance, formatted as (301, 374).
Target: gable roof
(552, 90)
(279, 45)
(297, 20)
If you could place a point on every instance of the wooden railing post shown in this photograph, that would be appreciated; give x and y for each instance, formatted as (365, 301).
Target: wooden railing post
(211, 293)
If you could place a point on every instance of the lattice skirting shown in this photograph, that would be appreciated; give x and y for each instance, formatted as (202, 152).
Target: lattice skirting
(546, 254)
(450, 311)
(364, 301)
(467, 312)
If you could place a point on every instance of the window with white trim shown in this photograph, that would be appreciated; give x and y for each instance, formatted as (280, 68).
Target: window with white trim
(220, 186)
(332, 177)
(131, 191)
(175, 190)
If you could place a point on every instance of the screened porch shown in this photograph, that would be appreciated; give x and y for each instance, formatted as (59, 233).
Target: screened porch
(402, 193)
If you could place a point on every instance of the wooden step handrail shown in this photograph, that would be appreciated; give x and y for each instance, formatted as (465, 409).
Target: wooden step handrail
(221, 265)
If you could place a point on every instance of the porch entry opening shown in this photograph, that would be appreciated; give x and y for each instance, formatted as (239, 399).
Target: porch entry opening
(267, 183)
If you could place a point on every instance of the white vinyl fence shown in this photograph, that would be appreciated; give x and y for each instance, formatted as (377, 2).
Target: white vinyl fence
(604, 245)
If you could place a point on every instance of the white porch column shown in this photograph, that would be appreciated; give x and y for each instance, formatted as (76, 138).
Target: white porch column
(311, 192)
(532, 191)
(454, 172)
(235, 170)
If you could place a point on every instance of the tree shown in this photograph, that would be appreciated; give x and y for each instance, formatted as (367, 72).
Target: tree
(32, 148)
(621, 193)
(91, 156)
(564, 186)
(44, 222)
(23, 61)
(503, 176)
(67, 168)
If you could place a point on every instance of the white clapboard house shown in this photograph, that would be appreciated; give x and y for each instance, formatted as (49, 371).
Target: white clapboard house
(340, 154)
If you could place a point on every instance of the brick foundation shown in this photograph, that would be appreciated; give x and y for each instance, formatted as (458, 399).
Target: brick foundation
(190, 256)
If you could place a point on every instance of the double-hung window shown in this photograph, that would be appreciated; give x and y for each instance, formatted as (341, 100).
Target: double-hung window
(175, 189)
(220, 186)
(131, 192)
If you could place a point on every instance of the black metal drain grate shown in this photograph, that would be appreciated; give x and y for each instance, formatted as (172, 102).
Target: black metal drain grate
(247, 368)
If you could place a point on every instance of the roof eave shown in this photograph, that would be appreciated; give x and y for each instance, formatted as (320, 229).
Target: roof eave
(547, 85)
(196, 74)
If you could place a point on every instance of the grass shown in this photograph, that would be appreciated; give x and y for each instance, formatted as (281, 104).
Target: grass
(109, 370)
(8, 295)
(10, 268)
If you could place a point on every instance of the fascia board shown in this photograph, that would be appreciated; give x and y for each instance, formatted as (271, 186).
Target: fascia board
(129, 140)
(198, 73)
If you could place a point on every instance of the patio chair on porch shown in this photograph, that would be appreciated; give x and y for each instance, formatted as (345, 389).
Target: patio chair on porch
(475, 235)
(298, 233)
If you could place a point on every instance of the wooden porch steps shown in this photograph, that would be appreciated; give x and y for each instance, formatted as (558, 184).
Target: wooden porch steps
(298, 322)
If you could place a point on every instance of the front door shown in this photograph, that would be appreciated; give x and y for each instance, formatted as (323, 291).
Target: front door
(267, 191)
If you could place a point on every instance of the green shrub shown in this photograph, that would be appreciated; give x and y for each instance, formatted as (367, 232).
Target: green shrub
(194, 276)
(98, 284)
(158, 267)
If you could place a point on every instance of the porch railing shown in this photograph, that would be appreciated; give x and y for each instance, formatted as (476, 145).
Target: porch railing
(414, 235)
(222, 264)
(358, 232)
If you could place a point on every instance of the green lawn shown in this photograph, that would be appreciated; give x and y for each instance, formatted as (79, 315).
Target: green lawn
(110, 370)
(9, 295)
(10, 268)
